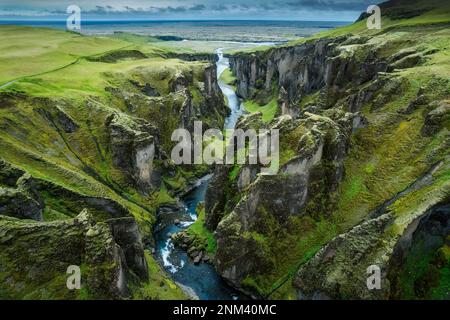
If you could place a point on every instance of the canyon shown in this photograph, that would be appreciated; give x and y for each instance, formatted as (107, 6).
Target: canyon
(86, 176)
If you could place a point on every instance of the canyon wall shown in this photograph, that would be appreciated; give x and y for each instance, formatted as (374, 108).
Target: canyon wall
(351, 108)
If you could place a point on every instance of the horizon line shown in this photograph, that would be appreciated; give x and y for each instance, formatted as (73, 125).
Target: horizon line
(170, 20)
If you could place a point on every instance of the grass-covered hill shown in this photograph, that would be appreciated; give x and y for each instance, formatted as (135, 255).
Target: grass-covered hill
(85, 123)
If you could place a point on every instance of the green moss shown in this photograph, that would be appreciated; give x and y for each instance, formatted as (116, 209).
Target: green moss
(53, 215)
(159, 286)
(370, 168)
(356, 185)
(384, 158)
(199, 230)
(164, 197)
(441, 292)
(251, 284)
(269, 110)
(228, 78)
(425, 274)
(234, 173)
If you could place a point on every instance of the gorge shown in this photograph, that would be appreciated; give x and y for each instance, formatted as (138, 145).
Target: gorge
(86, 176)
(202, 281)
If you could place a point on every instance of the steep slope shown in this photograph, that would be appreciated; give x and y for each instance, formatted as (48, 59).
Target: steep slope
(364, 120)
(89, 126)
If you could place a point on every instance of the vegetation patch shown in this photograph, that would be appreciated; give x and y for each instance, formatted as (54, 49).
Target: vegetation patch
(268, 111)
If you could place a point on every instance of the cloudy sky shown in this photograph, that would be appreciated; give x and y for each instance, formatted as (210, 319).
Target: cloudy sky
(312, 10)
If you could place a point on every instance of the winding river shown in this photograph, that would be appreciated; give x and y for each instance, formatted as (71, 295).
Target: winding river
(198, 281)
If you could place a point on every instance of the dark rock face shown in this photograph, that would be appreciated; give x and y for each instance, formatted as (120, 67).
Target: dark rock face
(251, 121)
(338, 271)
(439, 115)
(134, 146)
(166, 214)
(327, 274)
(126, 234)
(56, 115)
(215, 197)
(52, 247)
(9, 174)
(271, 200)
(247, 175)
(430, 238)
(18, 203)
(65, 121)
(405, 60)
(302, 69)
(24, 201)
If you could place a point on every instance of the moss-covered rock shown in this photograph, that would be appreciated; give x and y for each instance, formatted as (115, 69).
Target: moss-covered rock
(365, 134)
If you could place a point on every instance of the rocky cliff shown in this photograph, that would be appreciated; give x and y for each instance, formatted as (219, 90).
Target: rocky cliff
(98, 146)
(359, 173)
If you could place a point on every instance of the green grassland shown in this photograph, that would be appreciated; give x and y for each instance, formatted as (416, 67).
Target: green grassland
(268, 111)
(227, 77)
(200, 47)
(71, 74)
(24, 53)
(201, 233)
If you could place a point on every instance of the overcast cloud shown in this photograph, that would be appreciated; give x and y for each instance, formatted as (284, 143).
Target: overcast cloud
(336, 10)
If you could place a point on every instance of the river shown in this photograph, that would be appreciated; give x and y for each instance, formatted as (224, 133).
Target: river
(199, 281)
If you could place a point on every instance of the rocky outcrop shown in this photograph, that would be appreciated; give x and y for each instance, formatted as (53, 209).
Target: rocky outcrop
(194, 246)
(193, 56)
(324, 64)
(37, 255)
(339, 270)
(23, 201)
(438, 116)
(207, 105)
(327, 274)
(126, 234)
(215, 199)
(19, 204)
(335, 96)
(247, 176)
(243, 245)
(104, 150)
(168, 99)
(213, 110)
(134, 146)
(105, 238)
(146, 89)
(429, 238)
